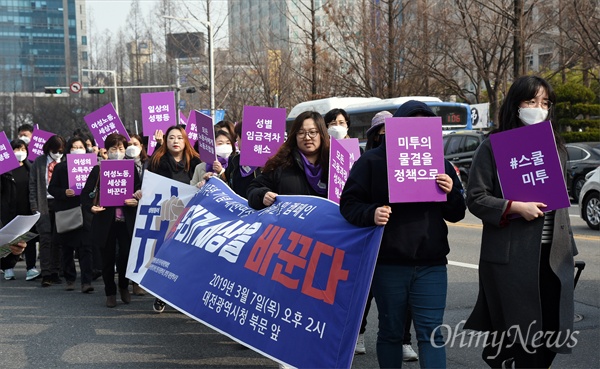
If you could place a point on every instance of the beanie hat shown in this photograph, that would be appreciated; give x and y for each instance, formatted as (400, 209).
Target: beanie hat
(412, 108)
(378, 120)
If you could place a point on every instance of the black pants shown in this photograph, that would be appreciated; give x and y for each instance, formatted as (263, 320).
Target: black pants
(49, 246)
(117, 233)
(540, 357)
(78, 239)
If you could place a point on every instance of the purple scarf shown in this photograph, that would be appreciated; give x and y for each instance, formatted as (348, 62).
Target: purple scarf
(223, 161)
(246, 170)
(313, 175)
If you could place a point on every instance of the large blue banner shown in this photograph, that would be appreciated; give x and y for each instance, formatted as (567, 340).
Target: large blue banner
(289, 281)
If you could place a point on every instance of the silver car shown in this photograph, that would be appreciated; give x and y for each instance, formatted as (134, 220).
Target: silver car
(589, 199)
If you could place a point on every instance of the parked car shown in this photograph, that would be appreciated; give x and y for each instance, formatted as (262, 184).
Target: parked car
(583, 158)
(459, 148)
(589, 201)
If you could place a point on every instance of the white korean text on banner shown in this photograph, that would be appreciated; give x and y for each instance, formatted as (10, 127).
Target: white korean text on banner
(287, 280)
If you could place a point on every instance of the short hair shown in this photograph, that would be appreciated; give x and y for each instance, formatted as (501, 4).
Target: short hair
(55, 143)
(114, 139)
(25, 127)
(333, 113)
(238, 130)
(16, 144)
(72, 140)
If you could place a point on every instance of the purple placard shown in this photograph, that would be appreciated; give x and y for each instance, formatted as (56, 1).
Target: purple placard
(158, 112)
(103, 122)
(8, 160)
(79, 167)
(351, 145)
(415, 155)
(191, 128)
(206, 136)
(116, 182)
(264, 133)
(183, 120)
(339, 168)
(529, 166)
(36, 146)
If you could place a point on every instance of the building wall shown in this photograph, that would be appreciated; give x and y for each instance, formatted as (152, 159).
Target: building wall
(36, 48)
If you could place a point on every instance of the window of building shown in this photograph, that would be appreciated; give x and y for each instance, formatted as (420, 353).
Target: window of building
(84, 40)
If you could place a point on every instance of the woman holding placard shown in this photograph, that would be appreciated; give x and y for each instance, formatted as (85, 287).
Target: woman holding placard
(300, 166)
(238, 176)
(176, 160)
(112, 224)
(224, 146)
(76, 239)
(526, 265)
(40, 200)
(411, 270)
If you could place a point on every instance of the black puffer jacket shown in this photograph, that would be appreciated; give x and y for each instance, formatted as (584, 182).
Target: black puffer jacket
(416, 233)
(289, 180)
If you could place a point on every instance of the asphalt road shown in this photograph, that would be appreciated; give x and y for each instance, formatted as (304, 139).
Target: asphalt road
(53, 328)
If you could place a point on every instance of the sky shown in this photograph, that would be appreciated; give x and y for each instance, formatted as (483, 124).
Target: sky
(116, 11)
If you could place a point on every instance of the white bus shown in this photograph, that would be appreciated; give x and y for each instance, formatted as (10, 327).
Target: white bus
(455, 116)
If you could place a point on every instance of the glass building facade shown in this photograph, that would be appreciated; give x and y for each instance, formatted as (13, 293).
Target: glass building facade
(42, 43)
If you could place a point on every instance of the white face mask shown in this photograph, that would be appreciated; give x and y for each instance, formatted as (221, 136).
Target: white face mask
(78, 151)
(223, 151)
(531, 116)
(337, 132)
(116, 155)
(21, 155)
(56, 156)
(132, 152)
(25, 139)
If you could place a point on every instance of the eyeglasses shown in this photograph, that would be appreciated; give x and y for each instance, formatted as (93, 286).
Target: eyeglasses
(338, 123)
(312, 133)
(545, 104)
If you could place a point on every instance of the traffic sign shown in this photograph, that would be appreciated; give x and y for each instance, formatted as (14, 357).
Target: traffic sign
(75, 87)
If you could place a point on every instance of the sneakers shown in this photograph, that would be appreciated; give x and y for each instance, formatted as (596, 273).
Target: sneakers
(158, 306)
(32, 274)
(408, 354)
(360, 349)
(9, 274)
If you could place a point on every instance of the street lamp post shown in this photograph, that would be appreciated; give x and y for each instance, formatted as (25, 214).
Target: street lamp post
(211, 58)
(114, 74)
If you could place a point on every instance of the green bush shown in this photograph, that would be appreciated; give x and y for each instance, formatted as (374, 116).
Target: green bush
(590, 135)
(586, 109)
(574, 93)
(577, 124)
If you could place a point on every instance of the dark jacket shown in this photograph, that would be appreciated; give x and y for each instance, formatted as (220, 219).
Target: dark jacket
(102, 221)
(57, 187)
(168, 168)
(289, 180)
(38, 193)
(9, 196)
(509, 259)
(416, 233)
(234, 178)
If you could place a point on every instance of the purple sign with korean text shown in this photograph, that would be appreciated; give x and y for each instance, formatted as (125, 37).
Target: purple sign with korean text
(264, 133)
(8, 160)
(36, 146)
(206, 136)
(116, 182)
(79, 167)
(183, 120)
(103, 122)
(158, 112)
(191, 128)
(529, 167)
(340, 163)
(415, 155)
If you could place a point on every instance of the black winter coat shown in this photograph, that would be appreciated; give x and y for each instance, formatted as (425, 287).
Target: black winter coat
(234, 177)
(289, 180)
(102, 221)
(416, 233)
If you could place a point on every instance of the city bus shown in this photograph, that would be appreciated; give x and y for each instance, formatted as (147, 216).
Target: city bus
(455, 116)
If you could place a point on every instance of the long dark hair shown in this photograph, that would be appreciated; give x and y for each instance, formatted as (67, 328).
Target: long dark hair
(283, 157)
(188, 150)
(525, 88)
